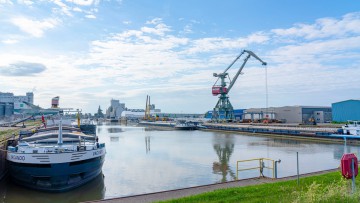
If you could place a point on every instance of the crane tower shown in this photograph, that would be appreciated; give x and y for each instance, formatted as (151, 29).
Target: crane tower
(223, 109)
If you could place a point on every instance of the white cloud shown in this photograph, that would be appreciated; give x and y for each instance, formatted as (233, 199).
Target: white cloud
(67, 7)
(324, 27)
(218, 43)
(77, 9)
(34, 27)
(64, 9)
(84, 2)
(91, 16)
(127, 22)
(6, 2)
(154, 21)
(159, 29)
(26, 2)
(10, 41)
(316, 51)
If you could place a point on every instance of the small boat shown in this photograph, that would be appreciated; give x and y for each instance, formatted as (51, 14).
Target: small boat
(56, 159)
(185, 125)
(351, 128)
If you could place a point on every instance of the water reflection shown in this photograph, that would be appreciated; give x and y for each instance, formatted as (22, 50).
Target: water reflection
(115, 130)
(147, 144)
(276, 142)
(94, 190)
(224, 147)
(114, 139)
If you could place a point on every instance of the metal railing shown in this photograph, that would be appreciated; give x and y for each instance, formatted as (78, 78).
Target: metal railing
(261, 166)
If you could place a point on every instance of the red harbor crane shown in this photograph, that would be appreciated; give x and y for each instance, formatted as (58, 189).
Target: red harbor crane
(223, 109)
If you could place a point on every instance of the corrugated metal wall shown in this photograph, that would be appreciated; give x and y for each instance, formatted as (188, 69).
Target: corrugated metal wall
(346, 110)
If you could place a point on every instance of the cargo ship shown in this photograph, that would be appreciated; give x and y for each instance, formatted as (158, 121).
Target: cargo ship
(55, 159)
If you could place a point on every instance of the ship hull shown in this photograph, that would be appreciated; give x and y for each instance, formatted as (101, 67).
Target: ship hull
(56, 177)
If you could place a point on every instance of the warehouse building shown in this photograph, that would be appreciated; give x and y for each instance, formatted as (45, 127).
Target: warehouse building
(346, 110)
(291, 114)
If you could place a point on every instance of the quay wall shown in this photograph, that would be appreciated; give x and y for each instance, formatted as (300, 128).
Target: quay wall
(299, 133)
(3, 166)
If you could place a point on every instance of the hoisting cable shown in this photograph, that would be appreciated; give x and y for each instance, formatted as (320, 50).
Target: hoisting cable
(266, 93)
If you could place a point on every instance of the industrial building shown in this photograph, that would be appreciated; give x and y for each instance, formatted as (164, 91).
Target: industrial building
(140, 113)
(238, 114)
(6, 109)
(291, 114)
(10, 103)
(7, 97)
(346, 110)
(177, 115)
(115, 110)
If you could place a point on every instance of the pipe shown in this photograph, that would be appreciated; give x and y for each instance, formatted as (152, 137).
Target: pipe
(60, 138)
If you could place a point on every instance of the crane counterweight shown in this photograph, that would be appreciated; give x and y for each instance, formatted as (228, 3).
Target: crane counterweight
(223, 109)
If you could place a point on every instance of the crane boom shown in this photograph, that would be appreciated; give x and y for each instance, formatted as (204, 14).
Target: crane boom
(237, 58)
(255, 56)
(242, 66)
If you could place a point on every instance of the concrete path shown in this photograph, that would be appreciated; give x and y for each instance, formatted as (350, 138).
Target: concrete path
(174, 194)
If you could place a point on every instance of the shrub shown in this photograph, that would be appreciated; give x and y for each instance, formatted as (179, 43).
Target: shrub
(337, 191)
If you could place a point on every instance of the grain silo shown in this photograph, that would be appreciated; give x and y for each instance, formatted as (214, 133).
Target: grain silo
(9, 109)
(2, 110)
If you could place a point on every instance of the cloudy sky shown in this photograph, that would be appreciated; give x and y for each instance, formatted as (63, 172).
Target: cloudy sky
(89, 51)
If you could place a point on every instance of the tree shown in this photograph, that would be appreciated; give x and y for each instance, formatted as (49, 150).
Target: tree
(99, 113)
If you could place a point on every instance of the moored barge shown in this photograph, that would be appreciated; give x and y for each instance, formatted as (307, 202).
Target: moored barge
(56, 159)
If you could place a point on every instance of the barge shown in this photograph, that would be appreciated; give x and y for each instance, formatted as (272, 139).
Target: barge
(55, 159)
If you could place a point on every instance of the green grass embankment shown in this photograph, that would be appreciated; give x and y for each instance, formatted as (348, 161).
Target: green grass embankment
(330, 187)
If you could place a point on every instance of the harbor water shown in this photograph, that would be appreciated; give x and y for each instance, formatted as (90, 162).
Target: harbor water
(140, 161)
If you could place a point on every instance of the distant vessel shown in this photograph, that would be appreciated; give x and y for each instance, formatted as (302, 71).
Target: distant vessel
(56, 159)
(352, 128)
(185, 125)
(157, 123)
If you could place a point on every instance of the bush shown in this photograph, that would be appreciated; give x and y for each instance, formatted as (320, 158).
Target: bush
(337, 191)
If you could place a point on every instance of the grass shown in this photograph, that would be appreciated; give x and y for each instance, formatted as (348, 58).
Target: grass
(8, 132)
(330, 187)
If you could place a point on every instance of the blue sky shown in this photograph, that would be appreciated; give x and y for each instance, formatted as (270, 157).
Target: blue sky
(89, 51)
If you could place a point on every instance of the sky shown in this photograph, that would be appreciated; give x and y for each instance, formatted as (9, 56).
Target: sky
(91, 51)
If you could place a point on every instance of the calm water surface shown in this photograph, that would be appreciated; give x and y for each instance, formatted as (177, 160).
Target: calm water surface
(142, 161)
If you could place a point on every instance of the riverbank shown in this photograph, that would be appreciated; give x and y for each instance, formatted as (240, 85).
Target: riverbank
(328, 187)
(246, 190)
(6, 133)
